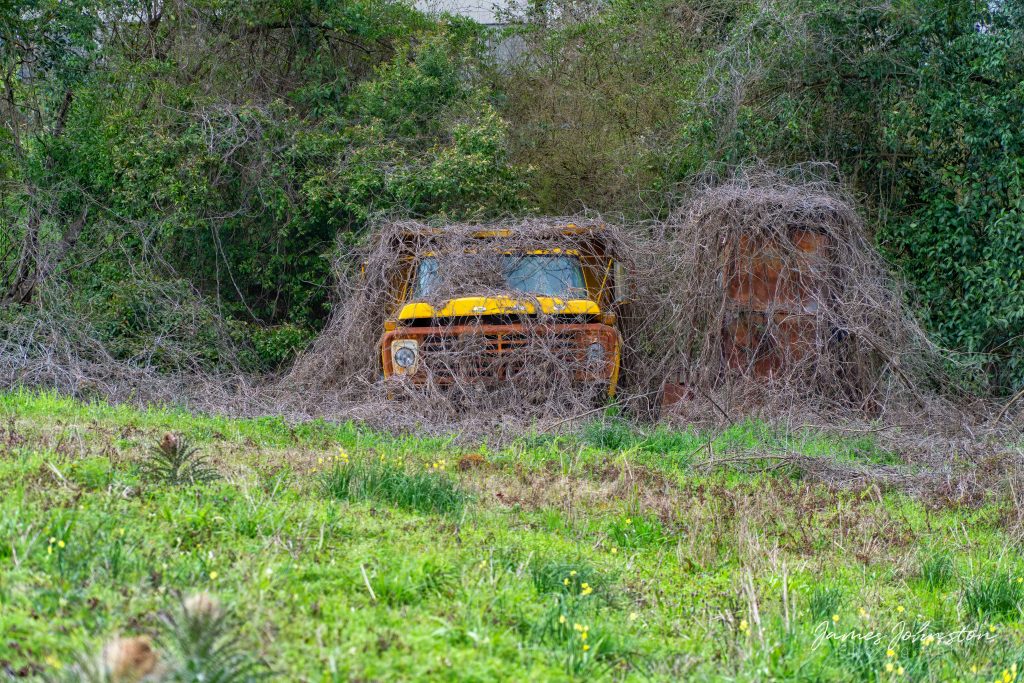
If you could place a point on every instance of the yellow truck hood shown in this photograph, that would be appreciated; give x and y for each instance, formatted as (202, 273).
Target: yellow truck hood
(498, 305)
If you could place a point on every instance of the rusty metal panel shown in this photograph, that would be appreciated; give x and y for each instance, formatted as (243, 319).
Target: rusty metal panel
(772, 292)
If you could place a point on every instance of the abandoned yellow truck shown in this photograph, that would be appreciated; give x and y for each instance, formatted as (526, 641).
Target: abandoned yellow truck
(562, 289)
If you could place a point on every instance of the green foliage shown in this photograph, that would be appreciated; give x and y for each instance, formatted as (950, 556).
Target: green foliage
(917, 106)
(824, 602)
(561, 577)
(388, 480)
(271, 347)
(637, 531)
(937, 570)
(999, 594)
(221, 154)
(613, 433)
(202, 643)
(397, 594)
(229, 147)
(957, 145)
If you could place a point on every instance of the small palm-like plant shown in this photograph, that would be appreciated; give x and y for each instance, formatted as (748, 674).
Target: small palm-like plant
(202, 644)
(173, 461)
(122, 660)
(199, 641)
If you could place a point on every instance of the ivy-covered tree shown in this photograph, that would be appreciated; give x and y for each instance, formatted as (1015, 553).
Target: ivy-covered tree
(957, 164)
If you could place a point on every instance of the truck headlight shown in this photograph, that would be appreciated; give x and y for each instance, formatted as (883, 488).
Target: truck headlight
(595, 353)
(405, 357)
(404, 352)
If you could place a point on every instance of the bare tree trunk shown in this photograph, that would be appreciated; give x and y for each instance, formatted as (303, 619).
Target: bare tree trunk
(34, 264)
(35, 267)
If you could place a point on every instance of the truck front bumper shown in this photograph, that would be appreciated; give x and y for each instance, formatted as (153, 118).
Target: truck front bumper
(589, 353)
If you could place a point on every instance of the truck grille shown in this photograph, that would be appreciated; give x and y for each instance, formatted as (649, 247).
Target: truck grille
(497, 356)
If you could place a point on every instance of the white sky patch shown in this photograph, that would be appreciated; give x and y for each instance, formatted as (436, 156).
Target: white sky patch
(483, 11)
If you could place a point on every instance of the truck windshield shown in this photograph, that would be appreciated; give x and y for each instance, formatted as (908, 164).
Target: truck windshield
(540, 275)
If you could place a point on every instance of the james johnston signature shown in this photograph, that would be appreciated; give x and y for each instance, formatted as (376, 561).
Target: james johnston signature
(900, 633)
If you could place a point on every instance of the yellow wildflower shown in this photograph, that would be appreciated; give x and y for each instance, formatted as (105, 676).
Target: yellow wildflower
(562, 619)
(565, 582)
(585, 647)
(583, 636)
(615, 551)
(900, 671)
(633, 616)
(835, 618)
(577, 627)
(890, 652)
(889, 667)
(213, 576)
(585, 588)
(52, 661)
(928, 640)
(53, 539)
(900, 609)
(863, 613)
(991, 628)
(628, 520)
(572, 573)
(60, 544)
(744, 626)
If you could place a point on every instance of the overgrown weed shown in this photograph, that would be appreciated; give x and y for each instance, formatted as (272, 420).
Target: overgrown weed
(389, 480)
(994, 595)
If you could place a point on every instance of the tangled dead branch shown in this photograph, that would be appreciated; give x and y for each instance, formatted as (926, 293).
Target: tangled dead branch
(761, 295)
(510, 320)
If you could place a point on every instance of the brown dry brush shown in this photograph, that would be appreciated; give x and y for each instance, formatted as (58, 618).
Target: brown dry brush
(778, 298)
(538, 373)
(759, 295)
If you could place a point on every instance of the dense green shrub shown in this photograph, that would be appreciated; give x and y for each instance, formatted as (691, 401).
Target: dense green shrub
(229, 147)
(916, 105)
(957, 147)
(226, 150)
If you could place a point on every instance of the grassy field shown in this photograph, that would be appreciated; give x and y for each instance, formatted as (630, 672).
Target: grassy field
(343, 554)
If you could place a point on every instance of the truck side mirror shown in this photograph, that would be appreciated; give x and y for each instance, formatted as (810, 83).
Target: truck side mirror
(620, 287)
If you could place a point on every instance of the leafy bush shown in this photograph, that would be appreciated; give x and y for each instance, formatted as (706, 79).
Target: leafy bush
(271, 347)
(957, 144)
(239, 186)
